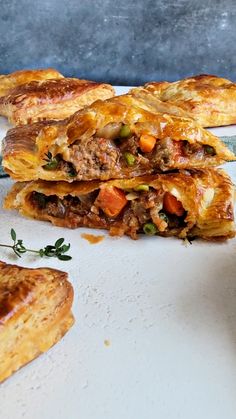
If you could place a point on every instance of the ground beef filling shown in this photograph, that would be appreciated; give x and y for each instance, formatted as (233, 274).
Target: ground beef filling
(145, 208)
(96, 157)
(104, 158)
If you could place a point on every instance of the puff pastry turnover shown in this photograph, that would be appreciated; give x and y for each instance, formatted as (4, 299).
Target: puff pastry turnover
(121, 137)
(10, 81)
(35, 312)
(196, 204)
(51, 99)
(210, 100)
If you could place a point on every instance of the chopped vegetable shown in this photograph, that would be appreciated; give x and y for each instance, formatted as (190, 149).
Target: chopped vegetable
(72, 172)
(110, 131)
(147, 143)
(143, 187)
(129, 158)
(172, 205)
(125, 131)
(131, 196)
(111, 200)
(52, 162)
(209, 150)
(163, 217)
(150, 229)
(157, 220)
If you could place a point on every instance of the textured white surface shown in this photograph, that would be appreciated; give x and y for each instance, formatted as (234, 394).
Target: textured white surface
(168, 311)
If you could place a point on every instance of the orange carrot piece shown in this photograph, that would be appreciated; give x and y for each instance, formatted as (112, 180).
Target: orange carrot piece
(111, 200)
(147, 143)
(172, 205)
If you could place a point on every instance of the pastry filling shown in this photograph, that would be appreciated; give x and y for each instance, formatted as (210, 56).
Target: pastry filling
(116, 152)
(140, 210)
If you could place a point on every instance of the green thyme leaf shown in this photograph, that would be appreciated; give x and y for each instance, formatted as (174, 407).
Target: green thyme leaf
(13, 234)
(58, 243)
(57, 250)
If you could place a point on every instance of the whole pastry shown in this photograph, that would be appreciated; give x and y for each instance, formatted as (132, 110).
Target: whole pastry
(209, 99)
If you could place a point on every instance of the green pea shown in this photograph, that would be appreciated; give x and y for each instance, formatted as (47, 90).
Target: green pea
(143, 187)
(129, 158)
(209, 150)
(150, 229)
(125, 131)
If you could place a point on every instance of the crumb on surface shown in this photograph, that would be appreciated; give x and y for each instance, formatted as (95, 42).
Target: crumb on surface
(91, 238)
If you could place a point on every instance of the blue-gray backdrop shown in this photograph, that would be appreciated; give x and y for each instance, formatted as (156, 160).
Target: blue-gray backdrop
(121, 41)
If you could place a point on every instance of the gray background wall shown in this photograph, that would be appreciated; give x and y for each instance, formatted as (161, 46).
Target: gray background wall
(123, 42)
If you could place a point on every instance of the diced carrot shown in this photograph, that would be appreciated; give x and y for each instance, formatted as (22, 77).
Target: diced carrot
(172, 205)
(147, 143)
(111, 200)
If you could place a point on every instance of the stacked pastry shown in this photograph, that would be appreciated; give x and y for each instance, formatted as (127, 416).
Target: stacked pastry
(130, 164)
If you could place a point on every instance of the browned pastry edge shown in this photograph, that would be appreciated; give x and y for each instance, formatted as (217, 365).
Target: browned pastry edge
(12, 80)
(209, 99)
(51, 99)
(35, 313)
(25, 148)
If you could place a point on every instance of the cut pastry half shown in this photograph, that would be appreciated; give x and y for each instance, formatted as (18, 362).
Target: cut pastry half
(51, 99)
(35, 313)
(185, 204)
(210, 100)
(118, 138)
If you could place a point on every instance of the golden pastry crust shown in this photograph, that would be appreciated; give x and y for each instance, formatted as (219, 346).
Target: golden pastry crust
(51, 99)
(35, 313)
(210, 100)
(87, 142)
(13, 80)
(206, 195)
(150, 101)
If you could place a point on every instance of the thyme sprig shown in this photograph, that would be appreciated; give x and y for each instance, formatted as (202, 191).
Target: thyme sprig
(51, 162)
(57, 250)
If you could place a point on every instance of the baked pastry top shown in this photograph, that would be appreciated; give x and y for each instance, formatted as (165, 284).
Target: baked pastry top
(12, 80)
(183, 204)
(51, 99)
(210, 100)
(35, 312)
(121, 137)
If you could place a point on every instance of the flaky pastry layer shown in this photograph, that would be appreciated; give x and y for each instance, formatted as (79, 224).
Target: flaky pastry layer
(210, 100)
(88, 145)
(206, 198)
(51, 99)
(18, 78)
(35, 312)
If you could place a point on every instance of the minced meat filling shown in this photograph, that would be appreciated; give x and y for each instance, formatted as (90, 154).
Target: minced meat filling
(96, 156)
(104, 158)
(145, 208)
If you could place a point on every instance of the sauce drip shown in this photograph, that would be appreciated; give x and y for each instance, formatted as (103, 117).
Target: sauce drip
(91, 238)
